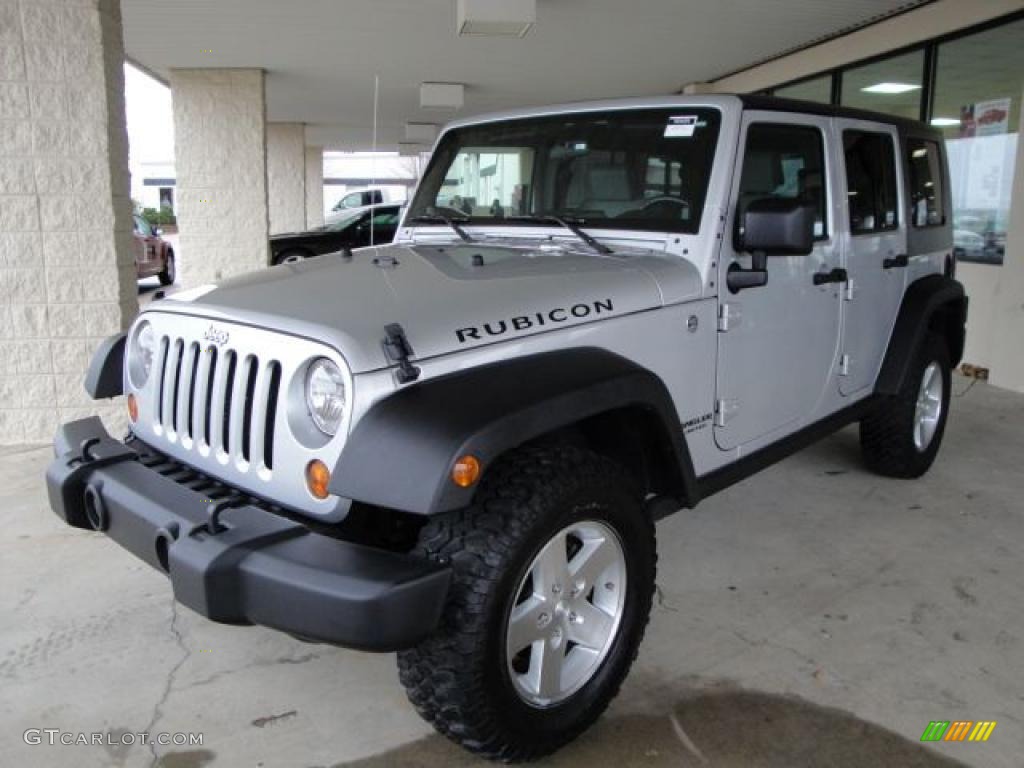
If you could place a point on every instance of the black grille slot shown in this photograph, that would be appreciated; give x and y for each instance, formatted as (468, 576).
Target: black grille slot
(208, 405)
(165, 350)
(268, 432)
(250, 391)
(229, 384)
(193, 368)
(179, 354)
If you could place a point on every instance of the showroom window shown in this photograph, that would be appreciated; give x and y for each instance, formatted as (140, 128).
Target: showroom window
(783, 161)
(969, 85)
(816, 89)
(870, 181)
(978, 85)
(891, 85)
(926, 192)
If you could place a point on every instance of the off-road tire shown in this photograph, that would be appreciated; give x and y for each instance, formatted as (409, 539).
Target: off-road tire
(167, 275)
(887, 432)
(457, 678)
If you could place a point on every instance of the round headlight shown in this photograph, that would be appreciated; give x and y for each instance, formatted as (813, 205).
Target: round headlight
(325, 395)
(140, 354)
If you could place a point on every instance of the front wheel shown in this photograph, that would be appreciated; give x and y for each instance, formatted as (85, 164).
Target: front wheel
(553, 572)
(901, 435)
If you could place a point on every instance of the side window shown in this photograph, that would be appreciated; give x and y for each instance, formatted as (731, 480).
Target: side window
(870, 181)
(142, 226)
(926, 192)
(784, 161)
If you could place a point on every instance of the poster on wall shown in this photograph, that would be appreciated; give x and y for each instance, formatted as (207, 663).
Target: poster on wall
(981, 162)
(985, 118)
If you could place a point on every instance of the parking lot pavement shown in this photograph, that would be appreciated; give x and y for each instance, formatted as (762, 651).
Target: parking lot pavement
(812, 615)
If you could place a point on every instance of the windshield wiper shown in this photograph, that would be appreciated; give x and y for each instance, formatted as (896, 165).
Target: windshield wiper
(455, 224)
(573, 227)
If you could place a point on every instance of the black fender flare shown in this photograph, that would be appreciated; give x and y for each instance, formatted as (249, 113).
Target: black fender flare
(933, 302)
(400, 454)
(105, 377)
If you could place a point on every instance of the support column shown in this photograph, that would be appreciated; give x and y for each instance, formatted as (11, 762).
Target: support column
(314, 187)
(286, 176)
(67, 274)
(220, 156)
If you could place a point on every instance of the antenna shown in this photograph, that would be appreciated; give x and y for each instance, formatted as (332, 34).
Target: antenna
(373, 160)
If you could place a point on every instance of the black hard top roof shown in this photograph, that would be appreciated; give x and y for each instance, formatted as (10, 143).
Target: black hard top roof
(774, 103)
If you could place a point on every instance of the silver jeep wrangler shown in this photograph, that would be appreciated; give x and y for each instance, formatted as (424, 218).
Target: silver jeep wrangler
(456, 446)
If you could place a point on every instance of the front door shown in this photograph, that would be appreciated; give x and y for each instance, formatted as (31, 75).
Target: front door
(875, 248)
(778, 343)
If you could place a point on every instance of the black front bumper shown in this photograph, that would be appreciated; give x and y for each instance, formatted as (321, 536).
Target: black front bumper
(243, 565)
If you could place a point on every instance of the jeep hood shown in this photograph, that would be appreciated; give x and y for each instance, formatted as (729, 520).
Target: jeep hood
(446, 297)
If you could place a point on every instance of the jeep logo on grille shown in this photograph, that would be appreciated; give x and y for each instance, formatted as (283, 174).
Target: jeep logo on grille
(216, 336)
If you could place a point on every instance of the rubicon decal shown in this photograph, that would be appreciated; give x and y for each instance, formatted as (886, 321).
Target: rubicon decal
(534, 320)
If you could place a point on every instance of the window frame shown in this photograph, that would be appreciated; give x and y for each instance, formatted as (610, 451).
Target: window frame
(894, 146)
(826, 232)
(942, 179)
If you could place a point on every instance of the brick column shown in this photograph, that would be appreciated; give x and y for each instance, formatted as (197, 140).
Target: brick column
(314, 187)
(286, 176)
(67, 274)
(220, 156)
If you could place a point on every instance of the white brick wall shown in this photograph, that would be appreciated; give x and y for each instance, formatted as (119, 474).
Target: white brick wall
(286, 176)
(221, 167)
(67, 275)
(314, 187)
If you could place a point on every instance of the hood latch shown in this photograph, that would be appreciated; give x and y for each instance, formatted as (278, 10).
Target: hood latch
(398, 350)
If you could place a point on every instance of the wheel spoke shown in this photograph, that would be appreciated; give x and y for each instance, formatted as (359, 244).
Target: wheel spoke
(546, 661)
(524, 624)
(550, 568)
(592, 626)
(588, 564)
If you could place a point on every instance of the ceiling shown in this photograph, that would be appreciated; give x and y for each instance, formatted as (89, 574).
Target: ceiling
(321, 56)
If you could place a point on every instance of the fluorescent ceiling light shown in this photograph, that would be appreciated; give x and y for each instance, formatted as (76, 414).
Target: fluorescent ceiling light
(442, 95)
(942, 122)
(891, 88)
(922, 152)
(495, 18)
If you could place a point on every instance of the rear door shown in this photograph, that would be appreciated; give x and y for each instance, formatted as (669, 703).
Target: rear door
(777, 344)
(874, 248)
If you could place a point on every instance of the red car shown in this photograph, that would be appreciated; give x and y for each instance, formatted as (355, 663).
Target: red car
(153, 256)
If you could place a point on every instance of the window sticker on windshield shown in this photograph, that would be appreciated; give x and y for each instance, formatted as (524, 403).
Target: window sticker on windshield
(680, 126)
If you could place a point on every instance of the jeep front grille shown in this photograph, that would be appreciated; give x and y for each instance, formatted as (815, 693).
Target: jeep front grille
(228, 400)
(218, 400)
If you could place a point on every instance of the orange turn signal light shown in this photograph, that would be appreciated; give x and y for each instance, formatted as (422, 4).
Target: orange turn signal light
(133, 408)
(318, 477)
(466, 471)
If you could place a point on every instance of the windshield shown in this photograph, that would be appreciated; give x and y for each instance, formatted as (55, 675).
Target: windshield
(638, 169)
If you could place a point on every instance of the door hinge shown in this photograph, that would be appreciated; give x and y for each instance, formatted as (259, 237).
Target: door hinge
(848, 292)
(729, 316)
(844, 365)
(725, 410)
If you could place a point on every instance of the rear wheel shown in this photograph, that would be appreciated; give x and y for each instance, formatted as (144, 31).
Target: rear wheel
(553, 572)
(902, 434)
(290, 257)
(167, 275)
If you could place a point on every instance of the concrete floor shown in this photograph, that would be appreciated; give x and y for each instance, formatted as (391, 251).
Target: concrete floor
(813, 615)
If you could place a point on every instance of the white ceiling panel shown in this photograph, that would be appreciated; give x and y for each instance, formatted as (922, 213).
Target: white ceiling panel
(321, 56)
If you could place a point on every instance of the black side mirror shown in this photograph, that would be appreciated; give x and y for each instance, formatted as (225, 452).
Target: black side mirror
(772, 226)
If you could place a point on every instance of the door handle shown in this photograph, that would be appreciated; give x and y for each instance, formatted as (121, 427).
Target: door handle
(837, 275)
(895, 261)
